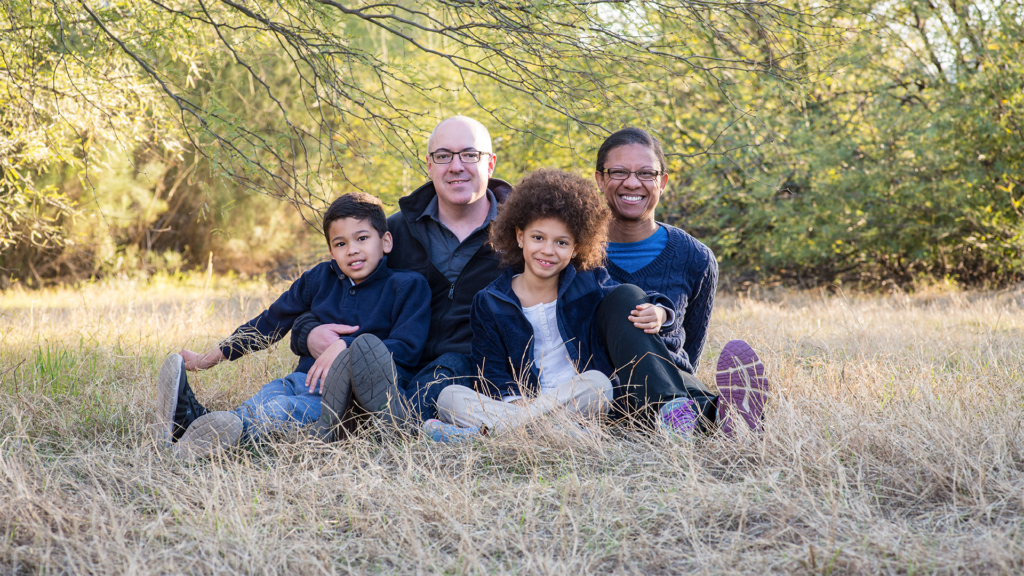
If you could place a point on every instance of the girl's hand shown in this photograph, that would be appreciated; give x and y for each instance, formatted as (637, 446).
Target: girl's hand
(648, 318)
(318, 373)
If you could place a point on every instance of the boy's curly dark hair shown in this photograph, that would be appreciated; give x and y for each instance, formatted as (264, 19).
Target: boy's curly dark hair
(548, 193)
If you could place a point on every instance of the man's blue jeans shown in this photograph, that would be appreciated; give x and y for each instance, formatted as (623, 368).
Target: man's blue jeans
(423, 389)
(283, 403)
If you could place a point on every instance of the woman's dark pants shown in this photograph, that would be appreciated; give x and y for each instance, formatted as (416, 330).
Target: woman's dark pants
(647, 376)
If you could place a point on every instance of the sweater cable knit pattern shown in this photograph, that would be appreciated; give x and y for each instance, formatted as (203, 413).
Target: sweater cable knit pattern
(687, 273)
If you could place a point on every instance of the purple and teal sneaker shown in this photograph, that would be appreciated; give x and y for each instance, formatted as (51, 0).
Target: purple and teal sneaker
(742, 388)
(679, 417)
(440, 432)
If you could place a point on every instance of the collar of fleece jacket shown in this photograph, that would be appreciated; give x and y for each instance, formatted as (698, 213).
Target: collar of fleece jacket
(381, 273)
(415, 203)
(502, 286)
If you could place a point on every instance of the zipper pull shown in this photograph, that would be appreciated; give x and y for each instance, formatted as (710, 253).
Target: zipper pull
(451, 292)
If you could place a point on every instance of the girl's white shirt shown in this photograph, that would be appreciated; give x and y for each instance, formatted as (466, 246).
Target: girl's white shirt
(549, 352)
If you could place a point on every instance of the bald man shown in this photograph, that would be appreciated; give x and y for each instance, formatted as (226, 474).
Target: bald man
(439, 231)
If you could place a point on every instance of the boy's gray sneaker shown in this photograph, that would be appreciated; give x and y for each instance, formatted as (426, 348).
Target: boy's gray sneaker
(176, 404)
(374, 382)
(209, 434)
(337, 388)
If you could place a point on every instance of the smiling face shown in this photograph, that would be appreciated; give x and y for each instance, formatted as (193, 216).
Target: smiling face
(547, 247)
(357, 248)
(632, 199)
(458, 183)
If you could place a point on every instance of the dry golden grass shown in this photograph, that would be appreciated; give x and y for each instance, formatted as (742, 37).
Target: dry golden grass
(892, 445)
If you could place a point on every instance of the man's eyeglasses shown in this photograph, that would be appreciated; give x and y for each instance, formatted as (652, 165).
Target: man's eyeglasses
(620, 174)
(467, 156)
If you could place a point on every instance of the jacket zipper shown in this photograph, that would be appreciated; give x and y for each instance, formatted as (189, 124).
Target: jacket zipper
(451, 292)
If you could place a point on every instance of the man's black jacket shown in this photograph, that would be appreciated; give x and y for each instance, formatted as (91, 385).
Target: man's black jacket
(450, 330)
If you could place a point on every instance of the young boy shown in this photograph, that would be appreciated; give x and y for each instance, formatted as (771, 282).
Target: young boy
(388, 310)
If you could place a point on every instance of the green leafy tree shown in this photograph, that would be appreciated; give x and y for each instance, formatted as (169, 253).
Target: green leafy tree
(904, 163)
(300, 99)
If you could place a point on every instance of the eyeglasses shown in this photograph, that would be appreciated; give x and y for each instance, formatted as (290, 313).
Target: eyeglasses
(467, 156)
(620, 174)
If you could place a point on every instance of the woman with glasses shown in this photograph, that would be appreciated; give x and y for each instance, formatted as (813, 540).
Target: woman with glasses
(631, 172)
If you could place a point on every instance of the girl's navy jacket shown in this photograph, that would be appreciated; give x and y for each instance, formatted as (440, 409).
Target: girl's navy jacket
(503, 337)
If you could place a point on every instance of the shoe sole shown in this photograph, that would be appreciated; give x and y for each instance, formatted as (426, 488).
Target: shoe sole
(742, 387)
(373, 379)
(209, 434)
(337, 389)
(167, 396)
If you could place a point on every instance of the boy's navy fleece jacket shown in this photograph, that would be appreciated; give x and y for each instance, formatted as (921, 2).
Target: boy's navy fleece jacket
(450, 303)
(687, 273)
(393, 305)
(503, 336)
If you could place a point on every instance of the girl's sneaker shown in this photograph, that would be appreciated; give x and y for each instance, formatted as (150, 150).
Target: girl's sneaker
(440, 432)
(742, 388)
(679, 417)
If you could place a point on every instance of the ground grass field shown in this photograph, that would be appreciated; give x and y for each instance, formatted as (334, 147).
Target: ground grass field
(893, 444)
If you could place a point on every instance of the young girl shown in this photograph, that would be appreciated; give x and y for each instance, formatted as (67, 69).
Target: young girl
(535, 340)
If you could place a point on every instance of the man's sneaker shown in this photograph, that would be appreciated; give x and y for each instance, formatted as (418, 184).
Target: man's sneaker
(440, 432)
(176, 404)
(679, 417)
(375, 381)
(209, 434)
(742, 388)
(337, 388)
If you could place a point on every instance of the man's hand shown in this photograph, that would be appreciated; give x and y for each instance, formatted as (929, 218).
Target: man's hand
(324, 335)
(194, 361)
(648, 318)
(318, 373)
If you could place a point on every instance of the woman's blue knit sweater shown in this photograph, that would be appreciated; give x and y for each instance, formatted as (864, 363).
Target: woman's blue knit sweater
(687, 273)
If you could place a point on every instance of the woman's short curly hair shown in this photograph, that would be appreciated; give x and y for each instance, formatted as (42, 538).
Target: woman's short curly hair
(548, 193)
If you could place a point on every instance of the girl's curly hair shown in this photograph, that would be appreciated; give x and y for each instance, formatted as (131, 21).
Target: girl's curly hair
(547, 193)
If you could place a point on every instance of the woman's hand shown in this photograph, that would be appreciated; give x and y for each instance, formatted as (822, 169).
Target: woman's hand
(648, 318)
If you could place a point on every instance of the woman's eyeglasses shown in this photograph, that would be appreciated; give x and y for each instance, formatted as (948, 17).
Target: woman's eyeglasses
(620, 174)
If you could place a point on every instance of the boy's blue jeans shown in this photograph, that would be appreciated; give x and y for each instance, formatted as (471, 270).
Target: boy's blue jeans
(286, 402)
(283, 403)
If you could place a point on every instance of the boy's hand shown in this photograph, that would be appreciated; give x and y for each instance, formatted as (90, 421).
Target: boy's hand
(194, 361)
(318, 373)
(324, 335)
(648, 318)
